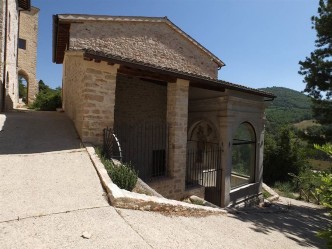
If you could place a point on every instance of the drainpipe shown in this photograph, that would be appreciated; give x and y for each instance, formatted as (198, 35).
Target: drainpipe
(4, 78)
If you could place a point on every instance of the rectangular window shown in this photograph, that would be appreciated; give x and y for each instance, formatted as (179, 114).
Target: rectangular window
(22, 44)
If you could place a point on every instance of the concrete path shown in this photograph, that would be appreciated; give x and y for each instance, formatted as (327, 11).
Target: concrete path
(50, 194)
(26, 132)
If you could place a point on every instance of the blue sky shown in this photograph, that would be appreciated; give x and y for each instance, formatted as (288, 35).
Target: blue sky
(260, 41)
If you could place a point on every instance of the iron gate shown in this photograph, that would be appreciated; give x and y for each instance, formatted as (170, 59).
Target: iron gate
(204, 169)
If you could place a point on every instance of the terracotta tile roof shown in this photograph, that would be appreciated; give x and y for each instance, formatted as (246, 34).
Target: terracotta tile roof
(99, 55)
(66, 19)
(24, 4)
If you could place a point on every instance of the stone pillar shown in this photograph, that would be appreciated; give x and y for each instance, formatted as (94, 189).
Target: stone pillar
(99, 100)
(177, 119)
(260, 131)
(225, 127)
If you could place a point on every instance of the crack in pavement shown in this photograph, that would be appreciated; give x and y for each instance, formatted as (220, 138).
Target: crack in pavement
(119, 213)
(50, 214)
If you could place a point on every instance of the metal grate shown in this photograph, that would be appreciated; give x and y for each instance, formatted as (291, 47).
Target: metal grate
(143, 145)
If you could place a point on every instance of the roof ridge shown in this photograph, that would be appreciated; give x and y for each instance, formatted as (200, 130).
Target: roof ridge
(164, 19)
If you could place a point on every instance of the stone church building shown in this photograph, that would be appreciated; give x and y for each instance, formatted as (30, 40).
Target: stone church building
(122, 72)
(18, 51)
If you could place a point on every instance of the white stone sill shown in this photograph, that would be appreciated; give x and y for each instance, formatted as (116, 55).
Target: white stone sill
(124, 199)
(243, 187)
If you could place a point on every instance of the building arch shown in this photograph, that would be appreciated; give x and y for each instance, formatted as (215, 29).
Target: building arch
(23, 87)
(202, 133)
(243, 155)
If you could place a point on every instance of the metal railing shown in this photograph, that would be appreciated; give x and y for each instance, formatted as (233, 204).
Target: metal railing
(145, 146)
(204, 169)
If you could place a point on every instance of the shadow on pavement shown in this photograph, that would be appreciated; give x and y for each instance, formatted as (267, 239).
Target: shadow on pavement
(25, 132)
(298, 223)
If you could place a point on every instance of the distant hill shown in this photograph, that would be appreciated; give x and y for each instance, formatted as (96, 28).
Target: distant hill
(289, 107)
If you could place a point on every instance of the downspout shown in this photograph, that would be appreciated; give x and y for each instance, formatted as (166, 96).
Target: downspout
(4, 78)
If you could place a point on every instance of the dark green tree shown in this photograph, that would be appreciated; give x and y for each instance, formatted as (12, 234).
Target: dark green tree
(317, 68)
(283, 154)
(43, 87)
(47, 99)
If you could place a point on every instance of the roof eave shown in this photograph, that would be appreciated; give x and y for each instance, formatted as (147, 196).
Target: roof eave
(179, 74)
(55, 34)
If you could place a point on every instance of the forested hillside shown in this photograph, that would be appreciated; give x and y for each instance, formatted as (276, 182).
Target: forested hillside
(289, 107)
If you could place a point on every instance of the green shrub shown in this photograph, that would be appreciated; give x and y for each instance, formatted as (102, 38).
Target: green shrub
(47, 101)
(123, 175)
(325, 191)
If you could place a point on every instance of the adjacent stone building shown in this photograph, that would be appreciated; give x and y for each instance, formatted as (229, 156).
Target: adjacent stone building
(10, 24)
(138, 75)
(27, 51)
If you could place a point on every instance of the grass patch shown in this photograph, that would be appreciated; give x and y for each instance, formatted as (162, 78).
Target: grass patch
(266, 194)
(285, 189)
(197, 202)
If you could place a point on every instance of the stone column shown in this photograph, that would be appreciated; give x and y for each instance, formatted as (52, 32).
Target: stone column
(99, 100)
(225, 127)
(177, 119)
(260, 131)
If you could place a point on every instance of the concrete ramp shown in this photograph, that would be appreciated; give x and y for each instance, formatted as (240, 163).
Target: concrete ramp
(43, 170)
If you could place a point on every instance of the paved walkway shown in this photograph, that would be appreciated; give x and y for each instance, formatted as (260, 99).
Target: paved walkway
(50, 194)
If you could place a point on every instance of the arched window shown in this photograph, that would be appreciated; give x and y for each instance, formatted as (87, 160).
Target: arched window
(22, 87)
(243, 156)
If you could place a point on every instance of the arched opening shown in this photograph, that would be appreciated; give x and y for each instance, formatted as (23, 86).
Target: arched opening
(202, 136)
(204, 160)
(23, 83)
(243, 156)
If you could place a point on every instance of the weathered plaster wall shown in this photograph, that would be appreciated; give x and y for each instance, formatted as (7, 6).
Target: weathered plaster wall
(2, 7)
(11, 61)
(27, 58)
(154, 43)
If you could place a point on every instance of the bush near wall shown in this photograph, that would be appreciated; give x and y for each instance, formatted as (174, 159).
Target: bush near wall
(47, 99)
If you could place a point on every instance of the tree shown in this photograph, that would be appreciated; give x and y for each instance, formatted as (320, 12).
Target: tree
(283, 154)
(47, 99)
(22, 89)
(317, 68)
(325, 190)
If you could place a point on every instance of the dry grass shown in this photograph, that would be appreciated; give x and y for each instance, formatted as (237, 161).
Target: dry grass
(320, 165)
(305, 124)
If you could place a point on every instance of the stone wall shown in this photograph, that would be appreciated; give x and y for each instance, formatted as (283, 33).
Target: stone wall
(27, 58)
(98, 100)
(89, 95)
(139, 101)
(72, 101)
(151, 42)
